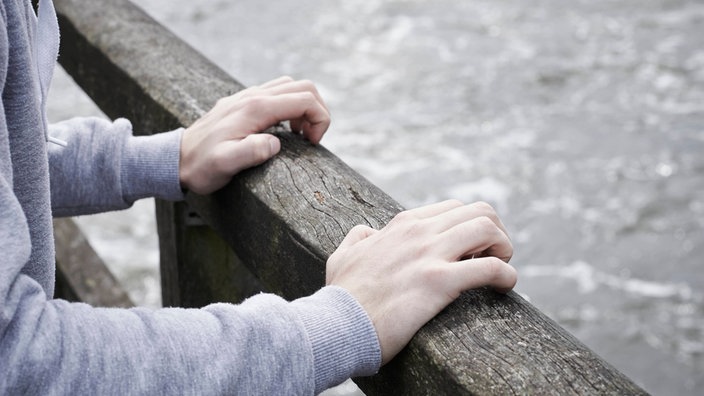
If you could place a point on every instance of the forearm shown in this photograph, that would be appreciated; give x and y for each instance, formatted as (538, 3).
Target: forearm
(103, 167)
(263, 346)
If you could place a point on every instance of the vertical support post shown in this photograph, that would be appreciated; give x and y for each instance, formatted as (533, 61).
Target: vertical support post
(197, 266)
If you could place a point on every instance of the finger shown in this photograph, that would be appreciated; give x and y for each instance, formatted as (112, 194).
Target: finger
(485, 271)
(464, 213)
(293, 86)
(234, 156)
(227, 103)
(264, 111)
(276, 81)
(478, 236)
(433, 210)
(297, 125)
(356, 234)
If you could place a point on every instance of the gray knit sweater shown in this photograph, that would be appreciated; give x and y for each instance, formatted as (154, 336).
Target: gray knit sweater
(262, 346)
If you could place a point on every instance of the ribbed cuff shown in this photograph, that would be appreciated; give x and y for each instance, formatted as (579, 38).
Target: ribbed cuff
(150, 167)
(344, 341)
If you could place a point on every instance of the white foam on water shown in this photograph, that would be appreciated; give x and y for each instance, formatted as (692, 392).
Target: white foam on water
(589, 279)
(485, 189)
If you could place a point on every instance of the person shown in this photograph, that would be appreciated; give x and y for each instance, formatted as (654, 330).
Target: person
(381, 285)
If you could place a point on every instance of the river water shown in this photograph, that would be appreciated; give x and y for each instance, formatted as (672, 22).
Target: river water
(582, 122)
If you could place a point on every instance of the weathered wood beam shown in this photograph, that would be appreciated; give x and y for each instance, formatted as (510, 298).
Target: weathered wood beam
(197, 266)
(81, 274)
(284, 218)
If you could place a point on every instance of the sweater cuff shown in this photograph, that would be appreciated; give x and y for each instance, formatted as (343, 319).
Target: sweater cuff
(343, 339)
(150, 167)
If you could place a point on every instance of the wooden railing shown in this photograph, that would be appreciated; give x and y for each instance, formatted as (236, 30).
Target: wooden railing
(80, 273)
(273, 227)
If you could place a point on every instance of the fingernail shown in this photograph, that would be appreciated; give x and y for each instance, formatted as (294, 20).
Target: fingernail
(275, 145)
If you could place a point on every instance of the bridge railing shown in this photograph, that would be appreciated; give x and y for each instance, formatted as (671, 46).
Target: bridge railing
(273, 227)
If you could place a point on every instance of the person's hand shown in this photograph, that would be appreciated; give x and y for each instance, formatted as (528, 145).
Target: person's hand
(406, 273)
(226, 141)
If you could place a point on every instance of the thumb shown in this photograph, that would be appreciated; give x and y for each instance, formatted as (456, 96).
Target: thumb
(251, 151)
(356, 234)
(480, 272)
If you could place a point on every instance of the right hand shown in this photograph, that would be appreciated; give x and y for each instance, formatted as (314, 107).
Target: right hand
(226, 140)
(406, 273)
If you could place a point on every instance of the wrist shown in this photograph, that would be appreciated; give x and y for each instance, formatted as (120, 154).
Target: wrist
(150, 167)
(342, 336)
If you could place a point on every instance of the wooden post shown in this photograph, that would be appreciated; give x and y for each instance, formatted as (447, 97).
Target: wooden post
(197, 267)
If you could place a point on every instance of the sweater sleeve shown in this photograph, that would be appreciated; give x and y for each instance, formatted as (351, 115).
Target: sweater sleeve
(104, 167)
(263, 346)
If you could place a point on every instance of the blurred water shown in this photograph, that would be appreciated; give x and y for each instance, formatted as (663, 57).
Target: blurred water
(581, 122)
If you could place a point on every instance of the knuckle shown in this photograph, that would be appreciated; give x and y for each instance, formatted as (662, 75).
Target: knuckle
(308, 97)
(406, 225)
(252, 102)
(484, 208)
(309, 86)
(415, 233)
(359, 229)
(409, 227)
(416, 228)
(222, 102)
(489, 212)
(405, 215)
(424, 247)
(486, 224)
(455, 202)
(252, 105)
(507, 253)
(494, 268)
(261, 151)
(501, 274)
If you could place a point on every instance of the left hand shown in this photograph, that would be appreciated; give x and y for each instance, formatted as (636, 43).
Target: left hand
(407, 272)
(226, 141)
